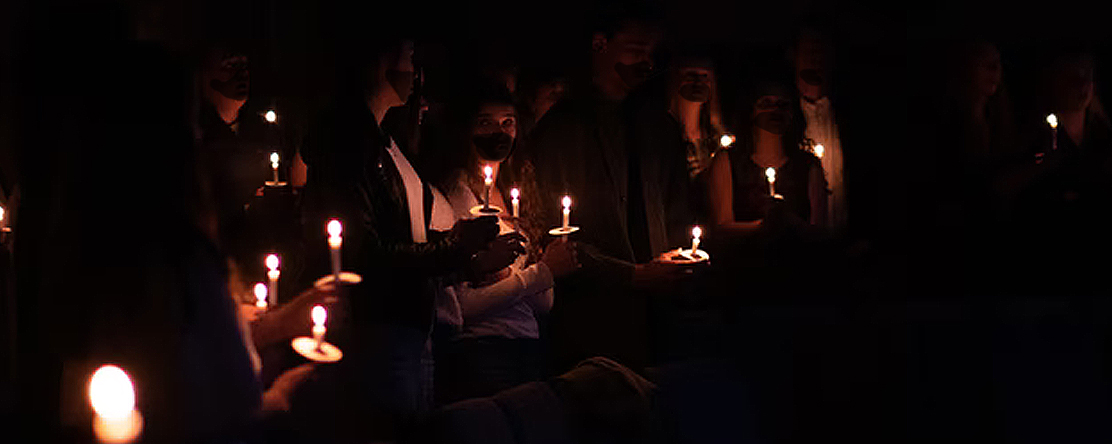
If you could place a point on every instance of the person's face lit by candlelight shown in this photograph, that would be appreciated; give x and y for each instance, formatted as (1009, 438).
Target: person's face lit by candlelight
(696, 83)
(813, 57)
(772, 113)
(622, 59)
(395, 75)
(227, 77)
(494, 132)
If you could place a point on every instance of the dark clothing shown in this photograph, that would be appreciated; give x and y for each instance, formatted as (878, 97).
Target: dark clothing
(478, 367)
(582, 148)
(751, 190)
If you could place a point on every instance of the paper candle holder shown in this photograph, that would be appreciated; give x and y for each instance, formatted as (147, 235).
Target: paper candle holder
(307, 347)
(483, 210)
(563, 231)
(346, 277)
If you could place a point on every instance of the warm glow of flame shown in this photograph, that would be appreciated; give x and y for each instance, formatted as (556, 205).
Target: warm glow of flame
(820, 150)
(111, 393)
(1052, 120)
(726, 140)
(319, 315)
(271, 116)
(335, 228)
(272, 261)
(260, 292)
(514, 193)
(2, 213)
(274, 158)
(488, 173)
(567, 202)
(770, 173)
(697, 232)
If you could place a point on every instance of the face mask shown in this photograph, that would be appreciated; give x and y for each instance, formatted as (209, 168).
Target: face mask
(635, 74)
(811, 77)
(401, 81)
(494, 147)
(695, 92)
(775, 122)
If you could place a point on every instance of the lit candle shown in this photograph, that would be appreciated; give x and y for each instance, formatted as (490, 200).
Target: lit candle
(3, 223)
(272, 274)
(334, 242)
(770, 173)
(726, 140)
(271, 116)
(260, 296)
(112, 396)
(514, 194)
(820, 150)
(319, 315)
(695, 234)
(567, 211)
(1053, 121)
(274, 165)
(488, 180)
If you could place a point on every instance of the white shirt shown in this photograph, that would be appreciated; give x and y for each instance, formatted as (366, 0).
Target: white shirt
(506, 308)
(822, 128)
(414, 193)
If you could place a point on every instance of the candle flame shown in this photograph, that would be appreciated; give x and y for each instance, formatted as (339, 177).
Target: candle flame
(820, 150)
(514, 193)
(697, 232)
(488, 172)
(271, 116)
(319, 315)
(260, 292)
(770, 173)
(274, 159)
(1052, 120)
(1, 213)
(272, 261)
(335, 228)
(726, 140)
(111, 393)
(567, 202)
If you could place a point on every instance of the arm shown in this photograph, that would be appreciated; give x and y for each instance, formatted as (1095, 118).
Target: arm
(720, 196)
(477, 302)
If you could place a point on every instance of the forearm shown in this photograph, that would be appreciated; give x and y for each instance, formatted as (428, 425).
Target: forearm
(477, 302)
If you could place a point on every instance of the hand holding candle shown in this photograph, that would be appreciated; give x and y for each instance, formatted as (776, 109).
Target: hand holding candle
(272, 275)
(112, 397)
(514, 193)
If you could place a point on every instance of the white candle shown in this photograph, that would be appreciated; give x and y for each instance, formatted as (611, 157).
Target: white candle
(260, 295)
(334, 242)
(3, 223)
(272, 274)
(112, 396)
(488, 181)
(271, 116)
(819, 151)
(319, 315)
(726, 140)
(770, 173)
(274, 165)
(567, 211)
(1053, 121)
(514, 193)
(695, 234)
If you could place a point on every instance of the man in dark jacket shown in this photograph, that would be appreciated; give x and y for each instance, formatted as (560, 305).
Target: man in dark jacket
(623, 163)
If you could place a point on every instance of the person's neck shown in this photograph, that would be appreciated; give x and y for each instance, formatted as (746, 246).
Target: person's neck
(379, 104)
(1074, 124)
(812, 99)
(767, 148)
(687, 113)
(611, 89)
(228, 109)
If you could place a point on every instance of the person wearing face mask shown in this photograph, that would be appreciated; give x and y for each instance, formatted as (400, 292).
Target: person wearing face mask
(357, 174)
(694, 105)
(493, 342)
(622, 161)
(741, 201)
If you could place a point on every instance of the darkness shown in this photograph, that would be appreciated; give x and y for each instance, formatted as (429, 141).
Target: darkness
(940, 327)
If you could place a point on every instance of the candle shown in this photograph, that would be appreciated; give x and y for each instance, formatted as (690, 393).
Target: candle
(260, 296)
(319, 315)
(514, 193)
(1053, 121)
(271, 116)
(272, 274)
(112, 397)
(567, 211)
(488, 181)
(819, 150)
(695, 234)
(726, 140)
(334, 242)
(770, 173)
(274, 165)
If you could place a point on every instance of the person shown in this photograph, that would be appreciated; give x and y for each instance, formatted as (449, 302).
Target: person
(694, 105)
(357, 174)
(621, 160)
(812, 56)
(740, 195)
(540, 90)
(495, 339)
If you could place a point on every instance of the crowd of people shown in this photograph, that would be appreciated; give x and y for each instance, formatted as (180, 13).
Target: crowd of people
(144, 200)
